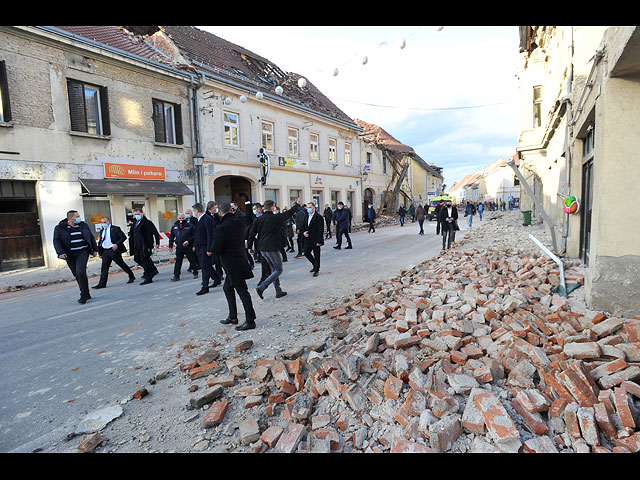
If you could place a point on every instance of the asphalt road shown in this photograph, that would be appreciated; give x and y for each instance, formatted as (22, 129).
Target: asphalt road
(61, 360)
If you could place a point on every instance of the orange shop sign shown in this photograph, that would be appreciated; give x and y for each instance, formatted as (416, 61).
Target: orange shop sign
(143, 172)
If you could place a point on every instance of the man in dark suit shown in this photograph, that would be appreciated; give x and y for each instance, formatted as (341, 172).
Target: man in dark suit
(203, 246)
(212, 209)
(228, 244)
(313, 234)
(74, 242)
(447, 218)
(182, 235)
(110, 248)
(141, 243)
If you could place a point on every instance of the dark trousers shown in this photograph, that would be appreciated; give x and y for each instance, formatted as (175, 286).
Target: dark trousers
(328, 234)
(312, 252)
(290, 243)
(343, 231)
(109, 256)
(438, 226)
(300, 243)
(372, 225)
(208, 271)
(146, 263)
(401, 220)
(447, 233)
(242, 291)
(191, 256)
(77, 262)
(421, 222)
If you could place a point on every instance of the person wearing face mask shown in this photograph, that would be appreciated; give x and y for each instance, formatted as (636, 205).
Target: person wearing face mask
(313, 233)
(371, 218)
(110, 248)
(268, 234)
(448, 218)
(141, 243)
(182, 235)
(341, 219)
(74, 242)
(203, 247)
(191, 218)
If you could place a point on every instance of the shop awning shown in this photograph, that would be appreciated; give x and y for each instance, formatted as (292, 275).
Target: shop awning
(98, 186)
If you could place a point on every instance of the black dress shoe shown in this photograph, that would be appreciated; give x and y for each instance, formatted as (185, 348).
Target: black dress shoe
(259, 293)
(175, 279)
(349, 247)
(83, 299)
(337, 247)
(146, 281)
(195, 274)
(246, 326)
(315, 274)
(131, 279)
(99, 286)
(202, 291)
(312, 270)
(281, 294)
(228, 320)
(215, 284)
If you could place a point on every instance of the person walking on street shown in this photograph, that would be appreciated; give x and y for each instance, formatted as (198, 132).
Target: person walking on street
(212, 210)
(402, 212)
(347, 207)
(141, 243)
(480, 210)
(313, 233)
(420, 215)
(412, 212)
(439, 207)
(203, 248)
(74, 242)
(448, 218)
(269, 229)
(229, 246)
(246, 218)
(328, 215)
(370, 216)
(288, 231)
(110, 248)
(341, 219)
(182, 235)
(299, 220)
(468, 212)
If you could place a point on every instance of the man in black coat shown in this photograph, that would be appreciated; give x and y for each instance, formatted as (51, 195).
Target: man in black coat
(228, 244)
(328, 215)
(141, 243)
(182, 235)
(212, 209)
(447, 218)
(313, 234)
(203, 247)
(299, 220)
(110, 248)
(74, 242)
(341, 217)
(269, 228)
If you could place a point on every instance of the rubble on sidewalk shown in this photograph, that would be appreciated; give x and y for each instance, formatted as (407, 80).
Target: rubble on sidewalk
(471, 351)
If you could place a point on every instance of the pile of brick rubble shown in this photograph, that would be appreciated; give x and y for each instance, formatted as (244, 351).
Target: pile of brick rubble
(471, 351)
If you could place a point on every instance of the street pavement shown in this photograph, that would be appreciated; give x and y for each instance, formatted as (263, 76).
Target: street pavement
(62, 360)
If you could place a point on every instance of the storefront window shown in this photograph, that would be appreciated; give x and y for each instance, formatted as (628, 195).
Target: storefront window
(167, 213)
(94, 210)
(293, 194)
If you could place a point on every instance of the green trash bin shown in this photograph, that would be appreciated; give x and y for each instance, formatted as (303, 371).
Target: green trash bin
(527, 217)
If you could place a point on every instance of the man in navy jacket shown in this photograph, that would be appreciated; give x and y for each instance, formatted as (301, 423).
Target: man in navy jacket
(341, 219)
(203, 246)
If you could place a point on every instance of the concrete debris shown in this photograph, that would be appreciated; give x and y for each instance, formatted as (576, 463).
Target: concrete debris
(97, 420)
(471, 351)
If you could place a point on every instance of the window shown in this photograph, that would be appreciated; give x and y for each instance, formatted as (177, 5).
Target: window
(167, 122)
(94, 209)
(271, 194)
(385, 161)
(5, 107)
(167, 213)
(332, 150)
(292, 134)
(369, 158)
(537, 106)
(231, 129)
(335, 198)
(347, 154)
(313, 146)
(267, 135)
(293, 194)
(88, 108)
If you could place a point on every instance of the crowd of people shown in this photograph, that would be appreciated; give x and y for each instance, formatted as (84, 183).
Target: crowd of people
(220, 244)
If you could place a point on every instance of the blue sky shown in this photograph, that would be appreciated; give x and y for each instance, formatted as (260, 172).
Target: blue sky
(450, 93)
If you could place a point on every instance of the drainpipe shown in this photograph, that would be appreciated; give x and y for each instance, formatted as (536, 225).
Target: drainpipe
(567, 150)
(194, 121)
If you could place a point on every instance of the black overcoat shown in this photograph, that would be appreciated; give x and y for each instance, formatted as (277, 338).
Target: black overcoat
(228, 245)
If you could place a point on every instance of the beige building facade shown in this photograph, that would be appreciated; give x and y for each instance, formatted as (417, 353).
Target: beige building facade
(579, 136)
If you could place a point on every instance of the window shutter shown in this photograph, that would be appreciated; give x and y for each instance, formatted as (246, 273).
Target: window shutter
(158, 121)
(76, 106)
(178, 125)
(4, 89)
(104, 106)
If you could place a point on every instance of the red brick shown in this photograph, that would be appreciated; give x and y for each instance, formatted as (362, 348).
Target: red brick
(415, 402)
(500, 425)
(533, 420)
(400, 445)
(542, 444)
(336, 312)
(203, 370)
(392, 387)
(588, 427)
(632, 443)
(604, 421)
(271, 435)
(290, 438)
(632, 388)
(621, 402)
(215, 414)
(557, 407)
(578, 388)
